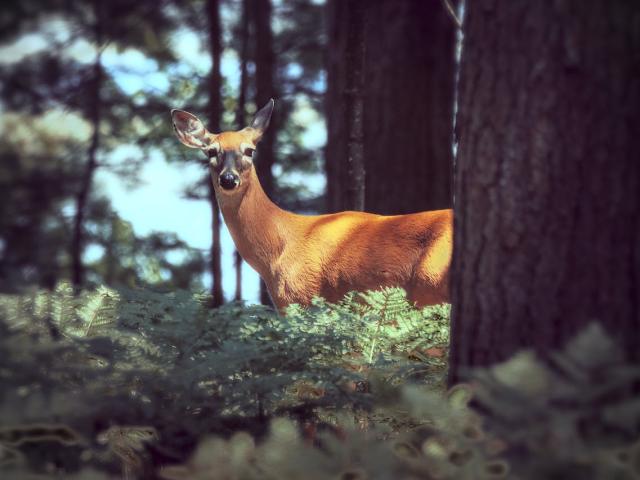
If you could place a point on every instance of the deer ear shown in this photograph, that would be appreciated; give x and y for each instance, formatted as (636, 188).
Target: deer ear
(189, 129)
(261, 120)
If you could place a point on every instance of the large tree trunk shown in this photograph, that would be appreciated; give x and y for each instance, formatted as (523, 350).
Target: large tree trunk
(408, 79)
(265, 89)
(215, 110)
(86, 180)
(547, 229)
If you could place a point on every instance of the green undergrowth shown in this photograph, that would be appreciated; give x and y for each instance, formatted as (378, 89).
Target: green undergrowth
(139, 384)
(168, 364)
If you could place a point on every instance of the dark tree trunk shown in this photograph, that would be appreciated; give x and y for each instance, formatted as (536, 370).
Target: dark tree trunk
(264, 80)
(547, 223)
(409, 115)
(353, 104)
(241, 120)
(336, 149)
(86, 181)
(110, 251)
(265, 89)
(215, 111)
(244, 33)
(408, 83)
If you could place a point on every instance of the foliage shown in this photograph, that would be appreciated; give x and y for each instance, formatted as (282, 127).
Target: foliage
(129, 382)
(564, 419)
(577, 415)
(537, 422)
(52, 100)
(165, 366)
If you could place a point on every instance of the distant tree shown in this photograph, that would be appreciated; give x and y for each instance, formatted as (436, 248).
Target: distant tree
(215, 113)
(105, 22)
(547, 231)
(264, 85)
(408, 82)
(299, 46)
(265, 89)
(51, 80)
(133, 261)
(117, 266)
(94, 103)
(241, 106)
(35, 184)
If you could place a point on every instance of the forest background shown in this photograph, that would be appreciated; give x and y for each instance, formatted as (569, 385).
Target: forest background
(104, 194)
(98, 191)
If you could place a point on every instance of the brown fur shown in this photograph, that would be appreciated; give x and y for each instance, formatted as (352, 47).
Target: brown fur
(301, 256)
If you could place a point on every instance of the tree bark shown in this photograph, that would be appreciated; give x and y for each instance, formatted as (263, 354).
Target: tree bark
(336, 149)
(354, 104)
(265, 89)
(86, 181)
(215, 111)
(408, 84)
(547, 229)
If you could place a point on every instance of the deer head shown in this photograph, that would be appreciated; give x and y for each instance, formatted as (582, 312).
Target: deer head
(230, 153)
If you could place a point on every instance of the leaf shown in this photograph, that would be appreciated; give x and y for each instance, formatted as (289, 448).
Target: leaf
(524, 373)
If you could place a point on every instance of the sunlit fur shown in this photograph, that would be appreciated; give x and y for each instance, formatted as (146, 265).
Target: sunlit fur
(301, 256)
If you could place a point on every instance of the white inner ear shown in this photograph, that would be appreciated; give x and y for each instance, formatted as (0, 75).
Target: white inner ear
(196, 132)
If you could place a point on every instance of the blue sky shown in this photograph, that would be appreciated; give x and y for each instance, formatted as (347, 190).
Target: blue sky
(156, 203)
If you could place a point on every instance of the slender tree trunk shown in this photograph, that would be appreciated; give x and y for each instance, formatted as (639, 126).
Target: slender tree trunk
(244, 55)
(109, 251)
(240, 115)
(354, 104)
(86, 181)
(408, 73)
(265, 89)
(215, 111)
(237, 263)
(547, 223)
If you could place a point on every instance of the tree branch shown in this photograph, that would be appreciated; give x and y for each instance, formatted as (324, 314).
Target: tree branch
(452, 13)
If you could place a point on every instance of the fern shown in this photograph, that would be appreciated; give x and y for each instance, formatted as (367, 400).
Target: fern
(527, 434)
(62, 307)
(101, 363)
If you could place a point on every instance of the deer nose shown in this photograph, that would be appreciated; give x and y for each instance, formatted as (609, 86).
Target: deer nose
(229, 180)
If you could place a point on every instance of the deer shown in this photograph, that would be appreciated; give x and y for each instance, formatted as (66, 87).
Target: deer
(303, 256)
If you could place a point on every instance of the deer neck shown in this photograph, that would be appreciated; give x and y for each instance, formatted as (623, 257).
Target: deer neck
(259, 228)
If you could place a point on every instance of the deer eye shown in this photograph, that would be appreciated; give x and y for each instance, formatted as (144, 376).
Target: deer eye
(248, 152)
(213, 150)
